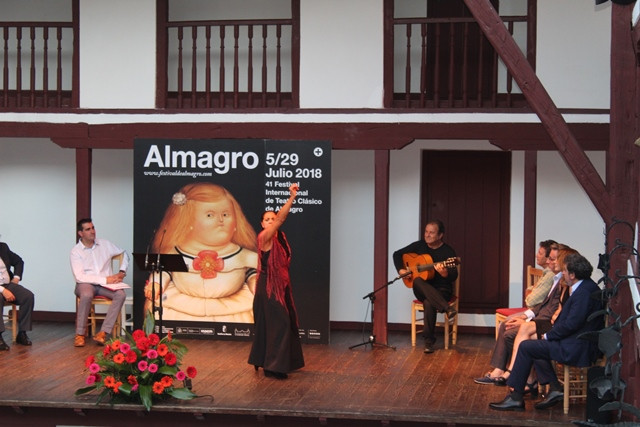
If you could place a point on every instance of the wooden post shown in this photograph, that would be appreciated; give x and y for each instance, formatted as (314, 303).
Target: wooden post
(381, 245)
(83, 183)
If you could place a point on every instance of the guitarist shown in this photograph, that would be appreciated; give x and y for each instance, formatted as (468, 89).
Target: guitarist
(435, 292)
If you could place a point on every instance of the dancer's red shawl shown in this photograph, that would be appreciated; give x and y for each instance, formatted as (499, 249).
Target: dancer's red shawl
(278, 268)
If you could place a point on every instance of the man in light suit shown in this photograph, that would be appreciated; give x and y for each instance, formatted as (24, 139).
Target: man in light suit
(11, 268)
(561, 343)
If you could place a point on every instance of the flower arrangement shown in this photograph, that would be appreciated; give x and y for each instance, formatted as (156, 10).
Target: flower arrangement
(139, 369)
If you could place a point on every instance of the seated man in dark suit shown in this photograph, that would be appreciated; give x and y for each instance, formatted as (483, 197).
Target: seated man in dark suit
(561, 343)
(11, 268)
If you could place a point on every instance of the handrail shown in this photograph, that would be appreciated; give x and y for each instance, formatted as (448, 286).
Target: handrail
(34, 64)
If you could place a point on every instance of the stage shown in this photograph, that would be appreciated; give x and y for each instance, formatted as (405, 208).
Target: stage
(338, 387)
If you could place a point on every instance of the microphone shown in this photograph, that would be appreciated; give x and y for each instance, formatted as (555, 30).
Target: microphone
(407, 273)
(146, 255)
(159, 246)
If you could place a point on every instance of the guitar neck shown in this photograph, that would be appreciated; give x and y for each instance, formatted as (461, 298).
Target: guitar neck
(425, 267)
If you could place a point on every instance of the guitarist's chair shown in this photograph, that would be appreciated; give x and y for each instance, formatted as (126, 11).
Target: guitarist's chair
(450, 324)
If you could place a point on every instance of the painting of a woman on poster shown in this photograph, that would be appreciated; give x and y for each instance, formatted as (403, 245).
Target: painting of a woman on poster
(206, 225)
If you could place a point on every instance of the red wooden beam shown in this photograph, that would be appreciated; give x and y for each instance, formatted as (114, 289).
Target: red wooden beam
(623, 183)
(350, 135)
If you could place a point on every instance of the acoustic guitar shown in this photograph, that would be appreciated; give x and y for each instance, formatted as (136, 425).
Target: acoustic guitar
(422, 265)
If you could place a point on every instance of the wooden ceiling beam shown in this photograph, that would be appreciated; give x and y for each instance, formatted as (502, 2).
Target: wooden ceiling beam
(347, 136)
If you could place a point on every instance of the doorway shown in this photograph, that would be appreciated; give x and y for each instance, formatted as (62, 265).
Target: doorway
(470, 192)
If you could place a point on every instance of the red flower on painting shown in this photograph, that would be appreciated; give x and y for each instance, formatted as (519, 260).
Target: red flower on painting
(208, 264)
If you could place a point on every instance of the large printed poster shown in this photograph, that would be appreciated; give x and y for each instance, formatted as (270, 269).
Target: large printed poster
(201, 201)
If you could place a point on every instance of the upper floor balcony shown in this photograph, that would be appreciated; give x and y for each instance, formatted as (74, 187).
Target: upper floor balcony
(212, 58)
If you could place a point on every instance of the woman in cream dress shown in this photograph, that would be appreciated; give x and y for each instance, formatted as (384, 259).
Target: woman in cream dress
(205, 224)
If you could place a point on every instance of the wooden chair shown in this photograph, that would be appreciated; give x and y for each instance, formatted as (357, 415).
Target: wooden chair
(12, 316)
(574, 381)
(448, 323)
(533, 277)
(94, 316)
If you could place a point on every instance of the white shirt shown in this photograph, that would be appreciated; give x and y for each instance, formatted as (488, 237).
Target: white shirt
(574, 287)
(93, 265)
(4, 275)
(529, 313)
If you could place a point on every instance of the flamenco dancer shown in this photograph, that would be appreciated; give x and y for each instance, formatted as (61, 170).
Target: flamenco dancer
(276, 345)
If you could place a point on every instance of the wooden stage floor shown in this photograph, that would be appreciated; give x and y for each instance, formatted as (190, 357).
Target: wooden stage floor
(338, 387)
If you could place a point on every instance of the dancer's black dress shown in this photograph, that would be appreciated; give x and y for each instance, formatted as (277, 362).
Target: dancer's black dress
(276, 344)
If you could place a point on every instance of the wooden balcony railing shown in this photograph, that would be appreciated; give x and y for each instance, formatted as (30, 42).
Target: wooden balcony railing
(449, 63)
(230, 64)
(38, 65)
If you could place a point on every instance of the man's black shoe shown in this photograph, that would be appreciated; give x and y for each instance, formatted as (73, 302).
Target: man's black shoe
(508, 404)
(428, 347)
(3, 345)
(550, 400)
(451, 312)
(22, 338)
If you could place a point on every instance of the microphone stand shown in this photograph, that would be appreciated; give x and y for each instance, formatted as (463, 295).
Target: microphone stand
(158, 268)
(159, 308)
(372, 298)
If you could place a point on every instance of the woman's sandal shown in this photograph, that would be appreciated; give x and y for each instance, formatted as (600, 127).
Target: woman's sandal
(501, 381)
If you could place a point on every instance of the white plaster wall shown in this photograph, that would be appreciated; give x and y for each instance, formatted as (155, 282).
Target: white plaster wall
(117, 54)
(38, 216)
(38, 213)
(352, 206)
(564, 211)
(574, 47)
(341, 53)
